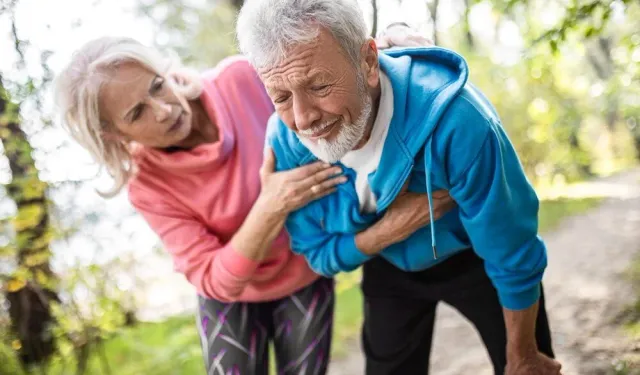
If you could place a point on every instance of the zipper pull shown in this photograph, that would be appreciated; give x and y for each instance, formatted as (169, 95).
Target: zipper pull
(435, 253)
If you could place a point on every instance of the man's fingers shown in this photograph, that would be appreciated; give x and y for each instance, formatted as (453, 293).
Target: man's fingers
(558, 367)
(405, 187)
(439, 194)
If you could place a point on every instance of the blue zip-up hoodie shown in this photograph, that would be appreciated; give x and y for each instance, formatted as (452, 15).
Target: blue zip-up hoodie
(444, 134)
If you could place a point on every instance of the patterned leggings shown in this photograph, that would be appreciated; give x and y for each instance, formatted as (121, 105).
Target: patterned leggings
(235, 336)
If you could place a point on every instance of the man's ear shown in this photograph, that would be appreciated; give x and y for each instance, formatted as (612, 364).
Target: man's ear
(370, 64)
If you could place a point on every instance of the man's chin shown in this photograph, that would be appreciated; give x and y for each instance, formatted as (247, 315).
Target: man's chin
(324, 155)
(322, 149)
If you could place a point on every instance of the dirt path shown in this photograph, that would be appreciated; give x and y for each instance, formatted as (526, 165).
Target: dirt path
(584, 286)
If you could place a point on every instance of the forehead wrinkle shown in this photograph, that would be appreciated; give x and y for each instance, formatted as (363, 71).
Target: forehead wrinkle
(301, 76)
(298, 58)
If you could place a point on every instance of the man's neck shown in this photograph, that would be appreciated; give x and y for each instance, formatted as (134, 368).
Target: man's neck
(376, 94)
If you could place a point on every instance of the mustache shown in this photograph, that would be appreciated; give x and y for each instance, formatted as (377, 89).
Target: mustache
(317, 128)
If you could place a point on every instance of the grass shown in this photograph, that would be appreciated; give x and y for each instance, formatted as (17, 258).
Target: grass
(171, 347)
(553, 211)
(631, 317)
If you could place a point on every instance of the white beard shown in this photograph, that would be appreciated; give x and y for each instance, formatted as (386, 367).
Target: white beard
(348, 137)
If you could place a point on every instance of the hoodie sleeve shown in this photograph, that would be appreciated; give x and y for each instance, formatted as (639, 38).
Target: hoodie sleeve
(326, 253)
(498, 205)
(215, 269)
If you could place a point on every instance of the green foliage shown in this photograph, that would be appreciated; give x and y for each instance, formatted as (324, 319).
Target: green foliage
(589, 18)
(209, 30)
(552, 212)
(348, 312)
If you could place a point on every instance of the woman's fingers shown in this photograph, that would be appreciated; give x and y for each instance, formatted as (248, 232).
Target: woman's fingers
(320, 190)
(308, 170)
(319, 177)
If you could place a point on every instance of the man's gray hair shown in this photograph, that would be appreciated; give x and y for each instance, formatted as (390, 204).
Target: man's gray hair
(267, 29)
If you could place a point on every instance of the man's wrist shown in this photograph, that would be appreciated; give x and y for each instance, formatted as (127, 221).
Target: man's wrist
(366, 243)
(521, 328)
(371, 240)
(520, 350)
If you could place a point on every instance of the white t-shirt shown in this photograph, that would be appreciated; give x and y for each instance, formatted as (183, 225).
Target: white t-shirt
(366, 159)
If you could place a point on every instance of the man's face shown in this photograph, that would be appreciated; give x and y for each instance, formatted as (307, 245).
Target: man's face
(321, 96)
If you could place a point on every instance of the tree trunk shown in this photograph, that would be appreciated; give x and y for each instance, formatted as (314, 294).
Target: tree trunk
(467, 26)
(599, 56)
(433, 15)
(31, 289)
(237, 4)
(374, 27)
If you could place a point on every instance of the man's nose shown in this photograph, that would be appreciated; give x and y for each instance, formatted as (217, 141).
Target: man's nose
(305, 113)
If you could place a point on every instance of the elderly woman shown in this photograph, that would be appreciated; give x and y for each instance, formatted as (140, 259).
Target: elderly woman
(189, 150)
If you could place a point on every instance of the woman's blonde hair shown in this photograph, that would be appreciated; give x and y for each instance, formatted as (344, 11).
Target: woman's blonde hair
(77, 90)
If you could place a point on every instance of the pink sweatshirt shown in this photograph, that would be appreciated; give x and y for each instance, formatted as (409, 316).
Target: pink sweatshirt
(196, 200)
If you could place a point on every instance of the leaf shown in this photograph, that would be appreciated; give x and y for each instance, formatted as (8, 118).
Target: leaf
(16, 345)
(15, 285)
(28, 216)
(43, 279)
(37, 259)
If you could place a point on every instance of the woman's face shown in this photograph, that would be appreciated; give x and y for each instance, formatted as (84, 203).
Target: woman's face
(140, 106)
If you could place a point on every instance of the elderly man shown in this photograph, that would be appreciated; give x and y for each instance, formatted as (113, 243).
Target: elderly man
(403, 125)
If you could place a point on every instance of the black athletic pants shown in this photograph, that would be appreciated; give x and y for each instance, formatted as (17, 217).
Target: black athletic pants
(400, 312)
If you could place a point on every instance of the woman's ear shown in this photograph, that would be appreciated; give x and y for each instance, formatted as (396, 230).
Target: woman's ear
(109, 133)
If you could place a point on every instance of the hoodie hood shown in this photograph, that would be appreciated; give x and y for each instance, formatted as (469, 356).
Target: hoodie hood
(424, 81)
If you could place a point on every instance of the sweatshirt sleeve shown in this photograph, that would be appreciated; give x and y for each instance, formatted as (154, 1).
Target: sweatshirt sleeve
(498, 206)
(326, 253)
(216, 270)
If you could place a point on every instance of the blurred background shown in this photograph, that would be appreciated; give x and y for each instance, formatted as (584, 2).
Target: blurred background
(563, 74)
